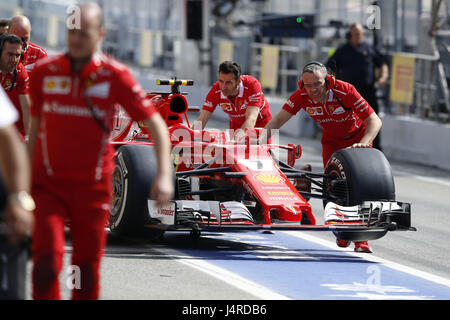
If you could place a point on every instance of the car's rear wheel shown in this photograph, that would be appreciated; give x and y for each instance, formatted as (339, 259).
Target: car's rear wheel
(135, 171)
(357, 175)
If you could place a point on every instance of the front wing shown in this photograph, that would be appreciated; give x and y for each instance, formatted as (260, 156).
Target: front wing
(368, 221)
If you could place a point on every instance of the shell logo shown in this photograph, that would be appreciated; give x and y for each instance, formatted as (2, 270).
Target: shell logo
(226, 107)
(269, 178)
(50, 84)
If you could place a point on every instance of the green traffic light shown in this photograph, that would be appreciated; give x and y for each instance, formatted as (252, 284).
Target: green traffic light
(299, 19)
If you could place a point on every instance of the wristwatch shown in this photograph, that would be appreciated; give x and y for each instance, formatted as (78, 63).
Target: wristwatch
(24, 199)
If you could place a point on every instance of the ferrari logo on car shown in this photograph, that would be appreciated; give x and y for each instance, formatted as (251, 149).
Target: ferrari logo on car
(269, 178)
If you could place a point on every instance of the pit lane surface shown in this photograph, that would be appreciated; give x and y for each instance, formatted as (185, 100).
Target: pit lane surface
(292, 265)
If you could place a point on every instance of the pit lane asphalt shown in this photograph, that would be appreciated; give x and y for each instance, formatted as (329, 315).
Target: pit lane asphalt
(177, 269)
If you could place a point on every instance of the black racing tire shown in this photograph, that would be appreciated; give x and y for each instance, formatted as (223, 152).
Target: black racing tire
(135, 171)
(360, 174)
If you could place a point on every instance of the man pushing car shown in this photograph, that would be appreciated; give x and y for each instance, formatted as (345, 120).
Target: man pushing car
(240, 96)
(345, 116)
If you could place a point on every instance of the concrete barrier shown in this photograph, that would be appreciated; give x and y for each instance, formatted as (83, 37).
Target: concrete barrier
(416, 141)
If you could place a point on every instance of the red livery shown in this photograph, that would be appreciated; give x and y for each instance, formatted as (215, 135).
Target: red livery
(223, 185)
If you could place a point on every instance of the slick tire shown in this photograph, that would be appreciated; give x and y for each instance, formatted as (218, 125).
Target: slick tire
(359, 174)
(135, 171)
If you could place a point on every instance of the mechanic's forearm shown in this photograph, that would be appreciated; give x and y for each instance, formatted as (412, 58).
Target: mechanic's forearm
(250, 117)
(34, 128)
(13, 160)
(25, 103)
(160, 136)
(203, 118)
(277, 122)
(249, 123)
(373, 128)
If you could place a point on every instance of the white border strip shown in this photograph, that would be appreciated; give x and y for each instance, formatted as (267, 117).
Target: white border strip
(401, 173)
(373, 258)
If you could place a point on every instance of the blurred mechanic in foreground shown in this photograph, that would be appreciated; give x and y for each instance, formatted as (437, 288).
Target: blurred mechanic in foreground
(16, 207)
(346, 118)
(15, 80)
(73, 97)
(21, 27)
(355, 62)
(240, 96)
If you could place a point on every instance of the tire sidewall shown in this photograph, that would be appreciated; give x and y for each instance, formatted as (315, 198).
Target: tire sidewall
(137, 167)
(367, 173)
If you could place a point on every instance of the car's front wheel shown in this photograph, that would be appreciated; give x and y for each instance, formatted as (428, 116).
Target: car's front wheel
(356, 175)
(135, 171)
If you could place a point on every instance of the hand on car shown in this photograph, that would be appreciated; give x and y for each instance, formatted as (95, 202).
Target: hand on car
(360, 145)
(239, 136)
(162, 189)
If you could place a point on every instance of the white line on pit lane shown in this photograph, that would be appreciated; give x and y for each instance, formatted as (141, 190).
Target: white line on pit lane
(421, 178)
(226, 276)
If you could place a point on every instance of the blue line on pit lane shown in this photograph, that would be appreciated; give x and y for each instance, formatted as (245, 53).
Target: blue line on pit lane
(301, 269)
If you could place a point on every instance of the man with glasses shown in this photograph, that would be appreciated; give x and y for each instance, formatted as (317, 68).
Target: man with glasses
(21, 27)
(345, 116)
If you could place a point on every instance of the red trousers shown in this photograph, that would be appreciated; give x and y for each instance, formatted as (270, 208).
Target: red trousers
(330, 145)
(85, 208)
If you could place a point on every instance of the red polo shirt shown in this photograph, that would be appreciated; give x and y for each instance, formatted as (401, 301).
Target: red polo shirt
(71, 144)
(16, 83)
(31, 55)
(250, 94)
(339, 120)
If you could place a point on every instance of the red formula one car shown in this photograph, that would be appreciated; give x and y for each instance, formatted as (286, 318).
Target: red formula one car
(222, 185)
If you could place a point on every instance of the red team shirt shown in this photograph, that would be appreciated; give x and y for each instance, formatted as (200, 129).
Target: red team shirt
(71, 144)
(343, 124)
(31, 55)
(250, 94)
(338, 122)
(16, 83)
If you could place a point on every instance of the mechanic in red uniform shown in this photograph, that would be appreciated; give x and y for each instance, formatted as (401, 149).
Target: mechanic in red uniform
(14, 79)
(345, 116)
(73, 97)
(240, 96)
(21, 27)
